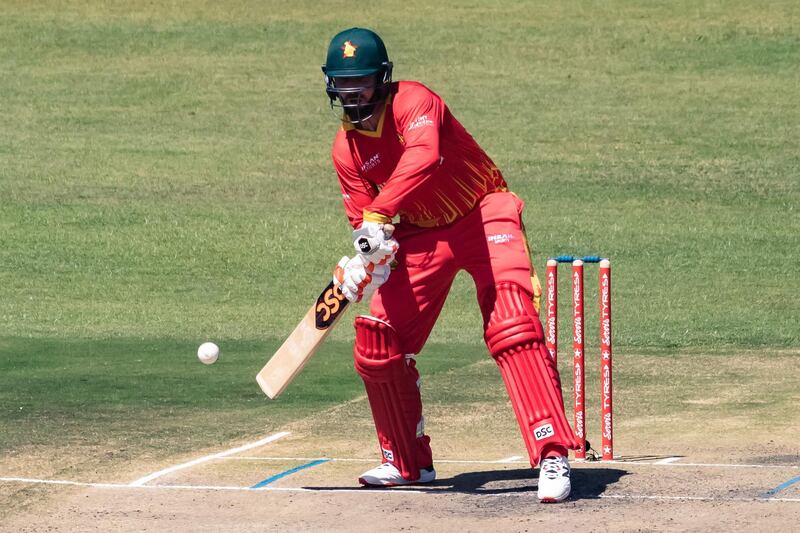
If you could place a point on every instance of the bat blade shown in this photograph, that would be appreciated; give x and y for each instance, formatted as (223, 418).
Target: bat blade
(303, 342)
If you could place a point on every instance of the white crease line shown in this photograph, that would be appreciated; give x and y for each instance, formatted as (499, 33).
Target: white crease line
(372, 460)
(375, 491)
(62, 482)
(201, 487)
(141, 481)
(271, 458)
(512, 459)
(694, 498)
(701, 465)
(525, 462)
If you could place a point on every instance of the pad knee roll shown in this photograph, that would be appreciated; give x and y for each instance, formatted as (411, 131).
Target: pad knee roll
(514, 336)
(391, 381)
(377, 351)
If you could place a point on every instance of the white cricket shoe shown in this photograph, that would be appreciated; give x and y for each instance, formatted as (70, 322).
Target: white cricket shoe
(554, 483)
(387, 475)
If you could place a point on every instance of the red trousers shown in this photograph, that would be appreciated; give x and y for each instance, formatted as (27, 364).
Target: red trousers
(488, 243)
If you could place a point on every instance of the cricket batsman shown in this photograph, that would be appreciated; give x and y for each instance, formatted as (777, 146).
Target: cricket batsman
(426, 202)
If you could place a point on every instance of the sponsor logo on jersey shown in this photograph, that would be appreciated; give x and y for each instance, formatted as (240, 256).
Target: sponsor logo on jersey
(349, 49)
(499, 238)
(420, 122)
(371, 163)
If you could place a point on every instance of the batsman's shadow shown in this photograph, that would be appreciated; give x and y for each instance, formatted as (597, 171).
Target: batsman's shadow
(586, 482)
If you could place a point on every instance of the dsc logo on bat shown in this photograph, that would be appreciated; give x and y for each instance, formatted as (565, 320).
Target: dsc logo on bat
(329, 304)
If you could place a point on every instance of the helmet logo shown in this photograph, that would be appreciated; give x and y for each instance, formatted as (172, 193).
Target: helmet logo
(349, 49)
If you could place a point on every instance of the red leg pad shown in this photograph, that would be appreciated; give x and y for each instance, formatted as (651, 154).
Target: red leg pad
(514, 336)
(392, 387)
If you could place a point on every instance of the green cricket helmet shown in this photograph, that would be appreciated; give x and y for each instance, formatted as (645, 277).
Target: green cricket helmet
(357, 53)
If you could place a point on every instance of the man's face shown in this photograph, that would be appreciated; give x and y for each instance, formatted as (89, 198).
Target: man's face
(356, 91)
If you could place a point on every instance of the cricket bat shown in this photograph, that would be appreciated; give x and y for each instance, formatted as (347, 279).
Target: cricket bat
(307, 337)
(303, 342)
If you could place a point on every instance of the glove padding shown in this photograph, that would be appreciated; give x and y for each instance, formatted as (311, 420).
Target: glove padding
(374, 243)
(358, 280)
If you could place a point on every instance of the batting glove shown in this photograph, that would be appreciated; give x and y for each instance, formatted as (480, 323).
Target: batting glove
(374, 243)
(359, 280)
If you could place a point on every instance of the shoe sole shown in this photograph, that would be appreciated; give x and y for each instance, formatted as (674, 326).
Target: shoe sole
(366, 483)
(419, 481)
(551, 500)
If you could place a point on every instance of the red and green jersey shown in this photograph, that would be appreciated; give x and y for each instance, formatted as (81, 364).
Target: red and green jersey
(420, 163)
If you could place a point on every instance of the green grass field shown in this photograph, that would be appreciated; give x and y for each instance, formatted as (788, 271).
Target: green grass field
(165, 179)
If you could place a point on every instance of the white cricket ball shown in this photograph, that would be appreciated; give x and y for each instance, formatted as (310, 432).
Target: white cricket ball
(208, 352)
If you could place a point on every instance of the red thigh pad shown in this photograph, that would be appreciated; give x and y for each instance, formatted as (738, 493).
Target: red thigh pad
(514, 337)
(391, 381)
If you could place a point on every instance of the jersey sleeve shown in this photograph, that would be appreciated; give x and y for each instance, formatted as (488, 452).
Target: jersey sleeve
(419, 114)
(356, 192)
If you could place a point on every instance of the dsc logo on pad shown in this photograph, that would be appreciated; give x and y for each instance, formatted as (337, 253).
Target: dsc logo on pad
(543, 432)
